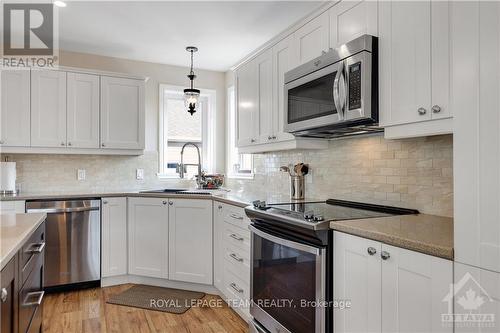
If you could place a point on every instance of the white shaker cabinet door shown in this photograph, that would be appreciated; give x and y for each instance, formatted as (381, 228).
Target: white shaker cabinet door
(190, 240)
(218, 238)
(247, 112)
(264, 63)
(148, 237)
(122, 113)
(83, 110)
(15, 108)
(352, 19)
(114, 236)
(284, 59)
(48, 108)
(404, 61)
(312, 38)
(357, 278)
(413, 288)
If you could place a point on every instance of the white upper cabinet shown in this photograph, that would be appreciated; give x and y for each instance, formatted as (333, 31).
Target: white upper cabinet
(122, 113)
(247, 103)
(390, 289)
(15, 108)
(83, 110)
(414, 67)
(148, 237)
(352, 19)
(284, 59)
(114, 236)
(48, 108)
(190, 240)
(312, 38)
(357, 277)
(264, 64)
(476, 138)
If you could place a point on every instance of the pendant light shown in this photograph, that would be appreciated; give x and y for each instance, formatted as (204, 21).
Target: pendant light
(191, 95)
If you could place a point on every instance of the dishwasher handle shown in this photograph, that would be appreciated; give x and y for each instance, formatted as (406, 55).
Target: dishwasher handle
(61, 210)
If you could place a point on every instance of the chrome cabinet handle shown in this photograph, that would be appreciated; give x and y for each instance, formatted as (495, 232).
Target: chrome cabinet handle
(235, 287)
(235, 257)
(234, 236)
(385, 255)
(422, 111)
(236, 217)
(371, 250)
(3, 295)
(35, 248)
(37, 294)
(436, 109)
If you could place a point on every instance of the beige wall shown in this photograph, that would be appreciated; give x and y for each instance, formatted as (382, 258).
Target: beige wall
(159, 73)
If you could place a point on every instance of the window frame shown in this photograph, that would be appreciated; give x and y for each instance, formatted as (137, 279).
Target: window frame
(232, 120)
(207, 123)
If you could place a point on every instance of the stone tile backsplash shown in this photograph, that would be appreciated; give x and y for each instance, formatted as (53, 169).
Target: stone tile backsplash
(415, 173)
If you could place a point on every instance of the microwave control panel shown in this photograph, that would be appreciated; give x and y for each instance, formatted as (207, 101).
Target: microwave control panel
(355, 86)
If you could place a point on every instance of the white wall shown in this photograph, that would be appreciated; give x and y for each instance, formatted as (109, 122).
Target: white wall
(160, 73)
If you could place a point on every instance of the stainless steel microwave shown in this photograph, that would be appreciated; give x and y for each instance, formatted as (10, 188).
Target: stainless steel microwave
(335, 94)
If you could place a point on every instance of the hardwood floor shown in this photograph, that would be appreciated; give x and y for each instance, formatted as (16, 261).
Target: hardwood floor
(86, 311)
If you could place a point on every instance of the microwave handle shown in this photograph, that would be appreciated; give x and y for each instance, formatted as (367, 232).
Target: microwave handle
(339, 105)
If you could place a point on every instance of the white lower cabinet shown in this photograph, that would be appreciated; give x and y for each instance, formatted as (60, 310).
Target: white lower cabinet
(476, 300)
(190, 240)
(390, 289)
(148, 237)
(114, 237)
(218, 245)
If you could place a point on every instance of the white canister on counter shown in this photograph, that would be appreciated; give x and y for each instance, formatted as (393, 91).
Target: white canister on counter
(8, 177)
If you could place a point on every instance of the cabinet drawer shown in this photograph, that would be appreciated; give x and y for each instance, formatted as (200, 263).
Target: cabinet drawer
(238, 262)
(235, 288)
(31, 251)
(237, 237)
(236, 216)
(30, 299)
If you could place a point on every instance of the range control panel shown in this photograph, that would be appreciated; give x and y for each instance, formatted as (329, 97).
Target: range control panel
(355, 86)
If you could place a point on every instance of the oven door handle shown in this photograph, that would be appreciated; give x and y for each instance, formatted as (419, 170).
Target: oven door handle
(284, 242)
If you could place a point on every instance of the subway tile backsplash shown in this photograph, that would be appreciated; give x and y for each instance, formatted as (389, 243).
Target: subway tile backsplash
(414, 173)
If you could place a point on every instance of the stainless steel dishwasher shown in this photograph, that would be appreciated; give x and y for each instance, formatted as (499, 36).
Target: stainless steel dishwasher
(73, 241)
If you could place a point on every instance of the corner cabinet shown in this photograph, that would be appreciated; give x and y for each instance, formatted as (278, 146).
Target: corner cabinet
(15, 108)
(415, 67)
(114, 237)
(190, 240)
(122, 113)
(390, 289)
(148, 237)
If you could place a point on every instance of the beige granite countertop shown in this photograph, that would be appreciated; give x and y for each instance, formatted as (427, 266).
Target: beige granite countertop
(427, 234)
(15, 229)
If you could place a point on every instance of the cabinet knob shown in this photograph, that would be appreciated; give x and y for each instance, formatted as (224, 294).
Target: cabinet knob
(436, 109)
(252, 140)
(103, 145)
(63, 144)
(1, 142)
(170, 202)
(3, 295)
(269, 137)
(164, 202)
(274, 137)
(385, 255)
(104, 202)
(422, 111)
(220, 207)
(69, 143)
(371, 250)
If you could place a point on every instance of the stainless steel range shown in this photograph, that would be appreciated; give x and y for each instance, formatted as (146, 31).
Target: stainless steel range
(292, 271)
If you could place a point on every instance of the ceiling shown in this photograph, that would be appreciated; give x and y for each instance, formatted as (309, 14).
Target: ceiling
(224, 31)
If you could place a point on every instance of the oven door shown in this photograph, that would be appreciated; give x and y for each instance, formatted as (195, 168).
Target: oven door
(316, 100)
(287, 284)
